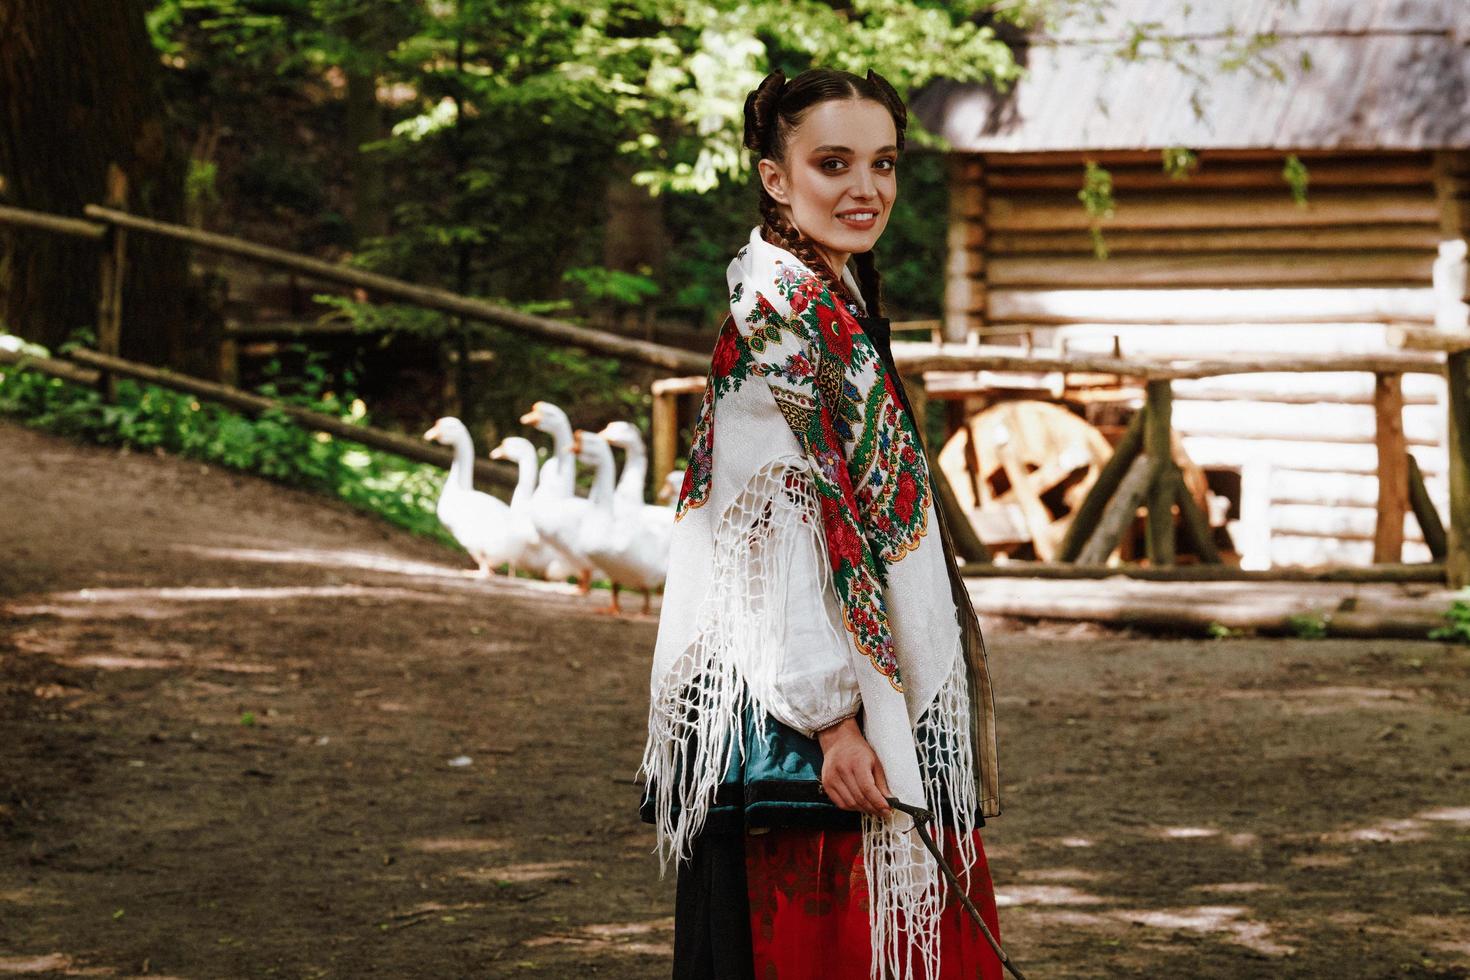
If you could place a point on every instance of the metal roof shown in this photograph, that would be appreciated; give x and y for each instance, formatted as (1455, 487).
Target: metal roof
(1358, 74)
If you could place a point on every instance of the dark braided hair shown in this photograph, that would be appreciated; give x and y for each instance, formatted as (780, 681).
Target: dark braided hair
(772, 110)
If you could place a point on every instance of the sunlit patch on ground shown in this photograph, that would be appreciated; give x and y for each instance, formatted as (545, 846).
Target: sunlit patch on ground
(52, 964)
(1305, 701)
(651, 938)
(459, 845)
(521, 873)
(1211, 919)
(1043, 895)
(1181, 833)
(371, 561)
(1060, 874)
(99, 603)
(1236, 887)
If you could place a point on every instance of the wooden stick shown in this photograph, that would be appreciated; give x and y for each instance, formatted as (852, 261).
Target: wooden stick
(1157, 443)
(1424, 510)
(912, 356)
(52, 222)
(952, 517)
(541, 327)
(52, 366)
(1084, 521)
(1194, 523)
(1142, 474)
(1417, 572)
(499, 475)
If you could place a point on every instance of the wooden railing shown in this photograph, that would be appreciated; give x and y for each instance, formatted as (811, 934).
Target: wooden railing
(1140, 474)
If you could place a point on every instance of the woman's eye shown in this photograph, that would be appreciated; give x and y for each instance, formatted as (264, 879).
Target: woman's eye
(886, 164)
(832, 163)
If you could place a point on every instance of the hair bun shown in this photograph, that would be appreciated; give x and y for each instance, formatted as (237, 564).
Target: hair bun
(760, 111)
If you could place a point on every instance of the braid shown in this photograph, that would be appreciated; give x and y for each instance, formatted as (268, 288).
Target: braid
(780, 232)
(771, 110)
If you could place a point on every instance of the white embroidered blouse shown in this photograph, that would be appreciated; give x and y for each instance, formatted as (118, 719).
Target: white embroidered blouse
(816, 686)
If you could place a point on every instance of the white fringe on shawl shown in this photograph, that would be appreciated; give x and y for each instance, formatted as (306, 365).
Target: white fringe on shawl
(723, 618)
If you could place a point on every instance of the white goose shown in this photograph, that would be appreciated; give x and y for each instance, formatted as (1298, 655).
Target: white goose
(536, 556)
(556, 510)
(625, 436)
(628, 539)
(479, 522)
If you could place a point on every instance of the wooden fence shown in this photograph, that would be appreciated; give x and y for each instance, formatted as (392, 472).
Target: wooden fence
(1140, 474)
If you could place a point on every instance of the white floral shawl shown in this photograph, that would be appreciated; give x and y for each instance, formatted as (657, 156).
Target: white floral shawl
(803, 442)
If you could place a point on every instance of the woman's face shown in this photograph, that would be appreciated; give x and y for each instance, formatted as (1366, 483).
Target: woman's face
(838, 181)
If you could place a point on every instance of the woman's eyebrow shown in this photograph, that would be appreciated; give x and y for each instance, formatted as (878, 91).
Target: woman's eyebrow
(829, 148)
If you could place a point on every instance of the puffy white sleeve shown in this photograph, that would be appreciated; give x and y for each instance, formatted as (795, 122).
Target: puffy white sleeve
(816, 686)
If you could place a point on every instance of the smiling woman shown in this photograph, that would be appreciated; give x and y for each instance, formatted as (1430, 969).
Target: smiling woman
(817, 651)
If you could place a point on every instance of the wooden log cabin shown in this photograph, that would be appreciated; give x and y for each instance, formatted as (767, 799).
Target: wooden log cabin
(1374, 100)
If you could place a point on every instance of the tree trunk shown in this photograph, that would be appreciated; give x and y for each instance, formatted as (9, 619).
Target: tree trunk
(633, 238)
(79, 90)
(365, 124)
(371, 34)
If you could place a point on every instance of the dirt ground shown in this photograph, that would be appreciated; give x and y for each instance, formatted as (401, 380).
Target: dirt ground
(230, 717)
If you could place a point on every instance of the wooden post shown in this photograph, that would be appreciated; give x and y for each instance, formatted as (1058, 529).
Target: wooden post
(1393, 472)
(665, 433)
(964, 274)
(1143, 473)
(1457, 558)
(1451, 279)
(1193, 521)
(1157, 444)
(1090, 511)
(1452, 190)
(1424, 511)
(112, 269)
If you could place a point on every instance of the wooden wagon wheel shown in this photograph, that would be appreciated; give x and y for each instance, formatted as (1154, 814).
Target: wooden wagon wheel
(1021, 468)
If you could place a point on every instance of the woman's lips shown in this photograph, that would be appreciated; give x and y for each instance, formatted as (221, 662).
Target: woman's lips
(860, 220)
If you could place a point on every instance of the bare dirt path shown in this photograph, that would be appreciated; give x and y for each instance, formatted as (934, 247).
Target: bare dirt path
(1173, 808)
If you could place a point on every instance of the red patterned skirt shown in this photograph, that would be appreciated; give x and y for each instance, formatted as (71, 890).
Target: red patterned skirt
(808, 899)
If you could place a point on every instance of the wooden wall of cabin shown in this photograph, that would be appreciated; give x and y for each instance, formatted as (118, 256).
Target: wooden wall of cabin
(1225, 261)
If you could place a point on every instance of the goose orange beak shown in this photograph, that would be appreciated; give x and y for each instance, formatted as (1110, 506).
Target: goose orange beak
(577, 441)
(433, 432)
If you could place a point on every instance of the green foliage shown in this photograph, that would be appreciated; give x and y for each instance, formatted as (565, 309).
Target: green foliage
(1180, 162)
(1096, 196)
(1308, 626)
(600, 284)
(271, 445)
(200, 184)
(1295, 175)
(1219, 631)
(1458, 628)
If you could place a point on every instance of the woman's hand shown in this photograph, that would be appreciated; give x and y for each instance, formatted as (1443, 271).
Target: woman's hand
(852, 776)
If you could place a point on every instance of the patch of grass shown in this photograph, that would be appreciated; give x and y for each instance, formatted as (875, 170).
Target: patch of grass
(270, 445)
(1308, 626)
(1458, 628)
